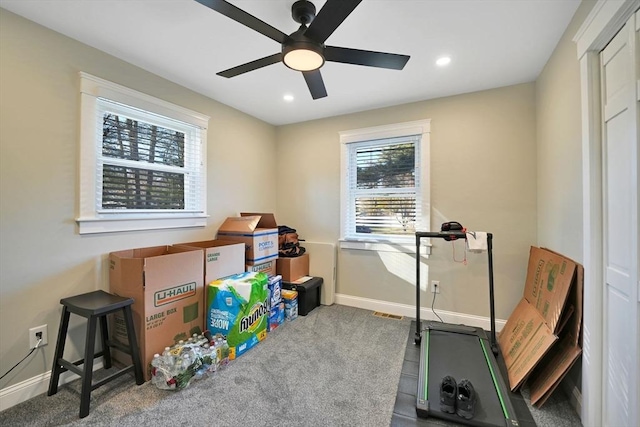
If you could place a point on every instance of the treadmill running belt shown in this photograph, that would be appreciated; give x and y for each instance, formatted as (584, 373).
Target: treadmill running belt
(461, 356)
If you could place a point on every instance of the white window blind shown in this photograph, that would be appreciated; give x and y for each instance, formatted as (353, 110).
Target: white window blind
(384, 186)
(146, 162)
(383, 178)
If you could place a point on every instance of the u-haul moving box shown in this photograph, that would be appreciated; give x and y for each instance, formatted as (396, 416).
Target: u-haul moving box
(166, 285)
(258, 232)
(222, 258)
(535, 324)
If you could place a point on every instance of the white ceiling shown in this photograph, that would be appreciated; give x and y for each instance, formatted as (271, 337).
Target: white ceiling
(492, 43)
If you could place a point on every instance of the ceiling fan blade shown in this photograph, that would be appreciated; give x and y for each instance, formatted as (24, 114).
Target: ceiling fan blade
(315, 83)
(369, 58)
(329, 18)
(250, 66)
(239, 15)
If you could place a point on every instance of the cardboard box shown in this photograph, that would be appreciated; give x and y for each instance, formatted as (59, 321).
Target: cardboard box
(237, 307)
(290, 299)
(293, 268)
(222, 258)
(268, 268)
(275, 290)
(166, 283)
(259, 233)
(276, 316)
(553, 367)
(533, 327)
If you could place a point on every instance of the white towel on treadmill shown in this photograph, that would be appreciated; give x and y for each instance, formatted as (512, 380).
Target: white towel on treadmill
(476, 241)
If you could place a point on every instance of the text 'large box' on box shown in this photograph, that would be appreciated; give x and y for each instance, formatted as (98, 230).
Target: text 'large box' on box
(259, 233)
(238, 308)
(532, 328)
(166, 284)
(222, 258)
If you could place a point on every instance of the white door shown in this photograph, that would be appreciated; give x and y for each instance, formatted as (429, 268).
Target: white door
(621, 358)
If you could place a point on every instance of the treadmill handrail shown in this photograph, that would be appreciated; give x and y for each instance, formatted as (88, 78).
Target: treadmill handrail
(455, 235)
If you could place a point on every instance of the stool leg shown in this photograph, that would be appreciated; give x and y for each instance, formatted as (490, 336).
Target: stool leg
(62, 338)
(104, 333)
(133, 345)
(87, 375)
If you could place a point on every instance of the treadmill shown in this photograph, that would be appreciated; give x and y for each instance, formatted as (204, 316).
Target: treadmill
(461, 352)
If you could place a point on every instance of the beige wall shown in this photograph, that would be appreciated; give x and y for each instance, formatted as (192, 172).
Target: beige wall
(42, 257)
(559, 154)
(483, 174)
(558, 127)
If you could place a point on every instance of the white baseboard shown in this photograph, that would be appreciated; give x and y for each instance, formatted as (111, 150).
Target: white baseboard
(425, 313)
(34, 386)
(575, 395)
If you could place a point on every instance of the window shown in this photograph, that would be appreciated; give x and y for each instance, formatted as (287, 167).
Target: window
(143, 161)
(385, 185)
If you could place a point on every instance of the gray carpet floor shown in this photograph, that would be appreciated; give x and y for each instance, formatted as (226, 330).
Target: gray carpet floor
(337, 366)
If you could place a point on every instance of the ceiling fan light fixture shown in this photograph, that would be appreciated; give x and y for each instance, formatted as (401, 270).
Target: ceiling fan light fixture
(303, 56)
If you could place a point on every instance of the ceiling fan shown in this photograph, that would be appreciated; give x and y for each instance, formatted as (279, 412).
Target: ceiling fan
(304, 50)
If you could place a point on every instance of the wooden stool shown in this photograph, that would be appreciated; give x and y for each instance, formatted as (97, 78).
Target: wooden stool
(94, 305)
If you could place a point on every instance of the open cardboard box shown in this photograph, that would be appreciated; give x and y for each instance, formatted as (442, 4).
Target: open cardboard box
(549, 311)
(166, 285)
(222, 258)
(259, 233)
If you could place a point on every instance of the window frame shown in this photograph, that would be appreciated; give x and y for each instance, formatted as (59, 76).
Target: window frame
(392, 244)
(90, 219)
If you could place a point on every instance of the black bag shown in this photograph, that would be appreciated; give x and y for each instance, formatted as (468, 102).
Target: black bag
(289, 242)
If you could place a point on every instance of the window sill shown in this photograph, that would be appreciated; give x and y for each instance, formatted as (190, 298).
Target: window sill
(111, 225)
(382, 246)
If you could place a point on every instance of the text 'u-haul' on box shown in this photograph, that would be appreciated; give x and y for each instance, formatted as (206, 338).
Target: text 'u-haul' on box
(166, 283)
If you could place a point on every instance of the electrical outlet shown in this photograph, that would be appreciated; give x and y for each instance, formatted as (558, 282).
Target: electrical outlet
(435, 286)
(36, 333)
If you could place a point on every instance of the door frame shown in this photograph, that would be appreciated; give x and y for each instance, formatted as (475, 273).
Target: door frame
(606, 18)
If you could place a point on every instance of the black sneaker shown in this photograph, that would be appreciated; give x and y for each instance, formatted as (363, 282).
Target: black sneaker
(466, 400)
(448, 393)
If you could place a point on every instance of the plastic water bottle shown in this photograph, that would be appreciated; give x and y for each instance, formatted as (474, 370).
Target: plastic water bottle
(155, 366)
(225, 353)
(167, 357)
(158, 375)
(186, 360)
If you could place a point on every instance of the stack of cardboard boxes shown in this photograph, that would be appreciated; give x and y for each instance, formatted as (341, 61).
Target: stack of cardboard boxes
(259, 234)
(171, 284)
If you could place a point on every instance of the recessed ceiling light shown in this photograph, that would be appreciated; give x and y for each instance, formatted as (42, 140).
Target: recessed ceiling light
(442, 61)
(288, 98)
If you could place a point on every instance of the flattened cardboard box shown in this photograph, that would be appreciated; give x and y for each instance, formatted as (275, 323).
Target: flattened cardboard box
(531, 329)
(553, 367)
(258, 232)
(166, 285)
